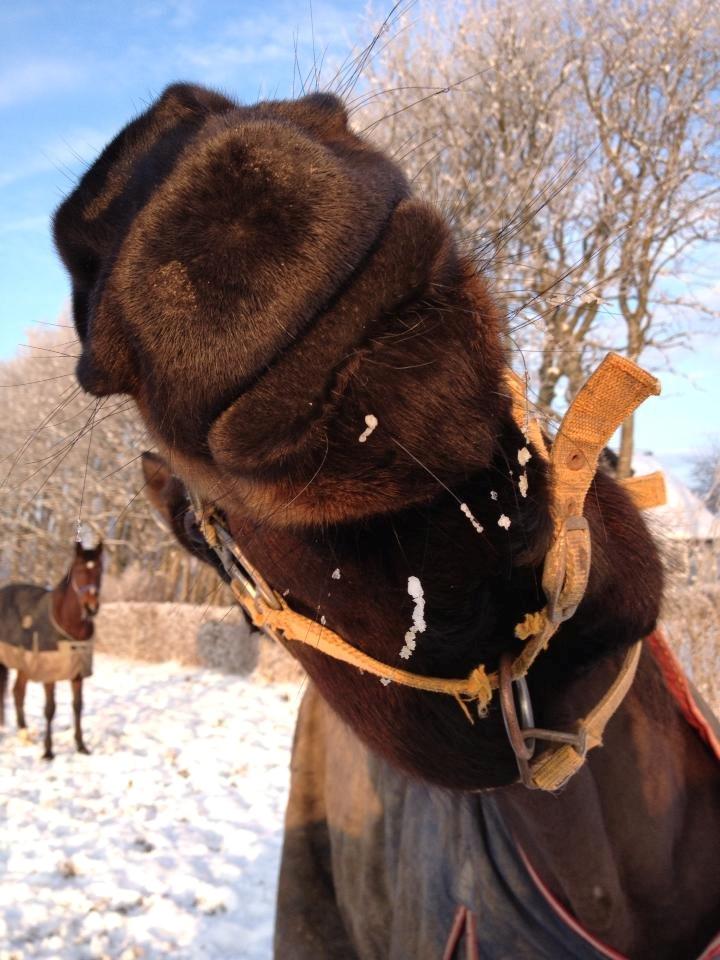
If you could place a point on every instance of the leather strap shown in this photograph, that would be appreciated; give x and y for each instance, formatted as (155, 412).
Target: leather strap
(476, 688)
(647, 491)
(611, 394)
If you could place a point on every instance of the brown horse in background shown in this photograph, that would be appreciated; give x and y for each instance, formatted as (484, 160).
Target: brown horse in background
(317, 358)
(47, 637)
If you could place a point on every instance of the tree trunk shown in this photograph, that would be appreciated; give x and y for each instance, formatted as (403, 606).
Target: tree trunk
(548, 376)
(627, 437)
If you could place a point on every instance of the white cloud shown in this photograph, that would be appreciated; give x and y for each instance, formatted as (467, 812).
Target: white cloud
(217, 59)
(273, 39)
(178, 14)
(25, 224)
(37, 77)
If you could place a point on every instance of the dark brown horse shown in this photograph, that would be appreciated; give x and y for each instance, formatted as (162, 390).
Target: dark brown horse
(315, 357)
(47, 637)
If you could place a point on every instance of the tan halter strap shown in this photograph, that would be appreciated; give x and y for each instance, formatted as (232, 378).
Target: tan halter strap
(269, 612)
(647, 491)
(611, 394)
(557, 765)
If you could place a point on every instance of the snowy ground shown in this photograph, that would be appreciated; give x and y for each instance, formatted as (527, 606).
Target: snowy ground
(165, 842)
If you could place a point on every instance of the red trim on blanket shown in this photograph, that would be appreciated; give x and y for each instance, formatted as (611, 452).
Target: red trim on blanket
(565, 915)
(682, 694)
(680, 689)
(712, 952)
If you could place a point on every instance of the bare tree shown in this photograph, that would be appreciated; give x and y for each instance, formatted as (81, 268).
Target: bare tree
(66, 458)
(706, 476)
(650, 76)
(577, 147)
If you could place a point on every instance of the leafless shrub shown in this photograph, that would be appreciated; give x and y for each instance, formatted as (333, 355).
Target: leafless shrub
(692, 620)
(66, 457)
(706, 475)
(200, 635)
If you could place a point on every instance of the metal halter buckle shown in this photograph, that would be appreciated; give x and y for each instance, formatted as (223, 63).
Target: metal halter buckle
(521, 731)
(239, 568)
(563, 594)
(251, 590)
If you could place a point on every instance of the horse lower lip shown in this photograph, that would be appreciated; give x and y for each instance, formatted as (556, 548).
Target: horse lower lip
(93, 379)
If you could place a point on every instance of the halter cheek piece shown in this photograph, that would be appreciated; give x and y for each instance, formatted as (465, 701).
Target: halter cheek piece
(87, 590)
(610, 395)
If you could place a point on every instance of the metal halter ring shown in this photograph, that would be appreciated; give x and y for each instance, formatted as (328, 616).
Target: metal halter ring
(523, 746)
(240, 569)
(215, 533)
(522, 732)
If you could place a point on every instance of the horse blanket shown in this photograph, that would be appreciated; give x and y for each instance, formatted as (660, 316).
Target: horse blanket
(31, 642)
(375, 865)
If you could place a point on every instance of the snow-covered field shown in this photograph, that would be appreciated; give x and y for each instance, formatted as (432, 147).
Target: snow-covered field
(165, 842)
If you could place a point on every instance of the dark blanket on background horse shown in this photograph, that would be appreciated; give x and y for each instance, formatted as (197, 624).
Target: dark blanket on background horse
(375, 865)
(32, 643)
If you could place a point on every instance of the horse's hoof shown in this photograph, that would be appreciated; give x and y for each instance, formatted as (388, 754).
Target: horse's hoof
(25, 736)
(48, 755)
(83, 749)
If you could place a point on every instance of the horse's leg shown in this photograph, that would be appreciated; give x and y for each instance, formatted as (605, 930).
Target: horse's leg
(77, 711)
(21, 681)
(49, 714)
(3, 689)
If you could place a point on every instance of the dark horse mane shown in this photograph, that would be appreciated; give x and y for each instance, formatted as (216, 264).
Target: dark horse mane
(260, 280)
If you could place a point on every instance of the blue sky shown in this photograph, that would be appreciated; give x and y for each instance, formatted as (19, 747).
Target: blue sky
(72, 72)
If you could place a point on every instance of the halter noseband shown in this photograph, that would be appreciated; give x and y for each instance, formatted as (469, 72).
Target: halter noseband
(610, 395)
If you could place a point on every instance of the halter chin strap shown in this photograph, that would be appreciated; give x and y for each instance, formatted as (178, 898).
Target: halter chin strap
(610, 395)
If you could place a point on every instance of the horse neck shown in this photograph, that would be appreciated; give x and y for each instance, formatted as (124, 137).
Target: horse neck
(68, 611)
(627, 846)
